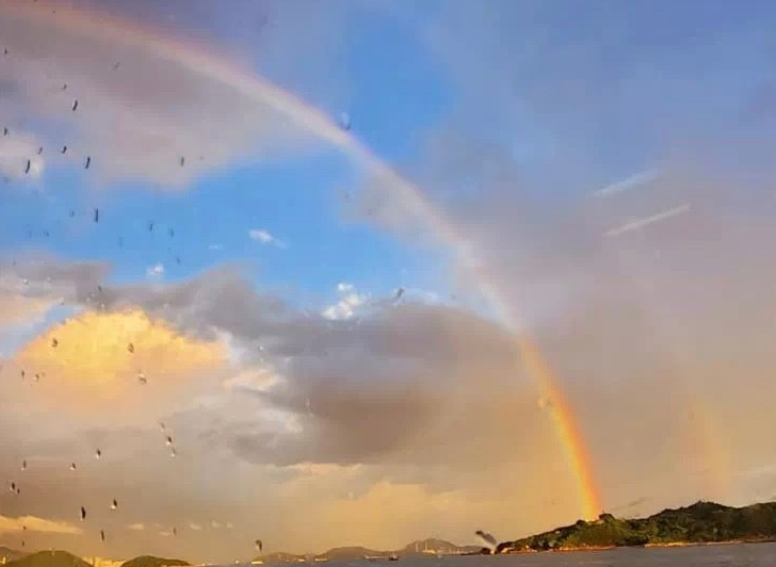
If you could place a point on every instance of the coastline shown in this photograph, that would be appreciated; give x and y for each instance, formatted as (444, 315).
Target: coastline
(645, 546)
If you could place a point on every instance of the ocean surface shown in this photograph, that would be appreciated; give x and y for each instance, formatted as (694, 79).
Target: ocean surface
(744, 555)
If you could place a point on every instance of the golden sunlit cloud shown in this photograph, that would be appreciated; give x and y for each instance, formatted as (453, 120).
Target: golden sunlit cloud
(35, 524)
(106, 356)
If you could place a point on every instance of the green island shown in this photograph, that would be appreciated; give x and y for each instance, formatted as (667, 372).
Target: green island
(53, 558)
(700, 523)
(151, 561)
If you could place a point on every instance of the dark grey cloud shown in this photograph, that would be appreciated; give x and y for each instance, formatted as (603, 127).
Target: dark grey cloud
(47, 278)
(346, 381)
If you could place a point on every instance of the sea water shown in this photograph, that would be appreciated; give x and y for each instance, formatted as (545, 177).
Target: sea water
(739, 555)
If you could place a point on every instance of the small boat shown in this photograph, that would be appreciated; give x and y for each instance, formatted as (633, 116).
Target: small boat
(393, 557)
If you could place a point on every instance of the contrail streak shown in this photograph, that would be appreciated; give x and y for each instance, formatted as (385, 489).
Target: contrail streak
(633, 182)
(646, 221)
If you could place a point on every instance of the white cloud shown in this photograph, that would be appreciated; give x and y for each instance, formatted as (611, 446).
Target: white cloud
(265, 237)
(137, 527)
(155, 271)
(215, 247)
(346, 307)
(35, 524)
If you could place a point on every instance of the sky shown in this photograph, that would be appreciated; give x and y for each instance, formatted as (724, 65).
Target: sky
(362, 272)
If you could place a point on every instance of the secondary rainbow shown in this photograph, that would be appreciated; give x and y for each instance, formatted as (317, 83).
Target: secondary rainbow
(220, 69)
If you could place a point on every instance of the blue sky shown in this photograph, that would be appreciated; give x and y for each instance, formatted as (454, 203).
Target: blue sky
(401, 87)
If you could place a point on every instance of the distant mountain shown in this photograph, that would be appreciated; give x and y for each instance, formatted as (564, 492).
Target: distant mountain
(8, 554)
(703, 522)
(434, 545)
(355, 553)
(351, 553)
(278, 557)
(49, 559)
(151, 561)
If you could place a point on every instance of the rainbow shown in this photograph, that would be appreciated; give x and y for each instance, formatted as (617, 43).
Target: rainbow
(220, 69)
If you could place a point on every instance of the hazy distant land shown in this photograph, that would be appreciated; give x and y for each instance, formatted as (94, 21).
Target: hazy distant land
(700, 523)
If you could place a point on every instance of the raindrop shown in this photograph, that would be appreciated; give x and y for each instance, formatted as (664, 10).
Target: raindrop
(344, 121)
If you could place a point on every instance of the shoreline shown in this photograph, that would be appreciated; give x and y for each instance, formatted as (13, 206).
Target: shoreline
(645, 546)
